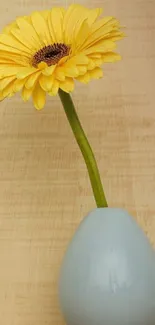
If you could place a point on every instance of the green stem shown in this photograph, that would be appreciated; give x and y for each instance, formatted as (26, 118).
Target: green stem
(85, 149)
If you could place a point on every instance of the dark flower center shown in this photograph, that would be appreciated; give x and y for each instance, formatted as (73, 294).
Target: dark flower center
(51, 54)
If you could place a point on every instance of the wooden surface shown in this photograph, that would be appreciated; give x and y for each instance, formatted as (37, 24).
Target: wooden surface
(44, 186)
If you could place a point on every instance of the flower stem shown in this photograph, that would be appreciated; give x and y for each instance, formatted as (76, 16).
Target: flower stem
(85, 149)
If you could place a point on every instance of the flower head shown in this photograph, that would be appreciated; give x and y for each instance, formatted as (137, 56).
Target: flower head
(50, 49)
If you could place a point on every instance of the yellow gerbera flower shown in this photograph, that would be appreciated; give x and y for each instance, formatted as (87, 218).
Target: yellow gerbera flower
(50, 49)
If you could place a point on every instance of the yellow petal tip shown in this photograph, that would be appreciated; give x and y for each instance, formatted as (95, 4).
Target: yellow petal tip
(42, 65)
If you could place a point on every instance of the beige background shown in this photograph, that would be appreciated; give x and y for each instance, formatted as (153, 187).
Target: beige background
(44, 186)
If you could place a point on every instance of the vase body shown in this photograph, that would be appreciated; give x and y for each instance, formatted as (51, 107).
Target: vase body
(108, 273)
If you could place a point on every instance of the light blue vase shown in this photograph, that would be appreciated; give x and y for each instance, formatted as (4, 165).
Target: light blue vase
(108, 273)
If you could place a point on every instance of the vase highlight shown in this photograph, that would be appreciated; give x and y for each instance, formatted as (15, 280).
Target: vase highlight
(108, 272)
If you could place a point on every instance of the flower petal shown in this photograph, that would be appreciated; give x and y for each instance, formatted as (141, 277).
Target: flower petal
(74, 17)
(98, 62)
(12, 42)
(55, 88)
(70, 69)
(111, 57)
(42, 66)
(60, 74)
(6, 71)
(79, 59)
(99, 31)
(25, 72)
(9, 89)
(5, 82)
(49, 70)
(19, 84)
(101, 47)
(91, 64)
(1, 97)
(84, 79)
(82, 34)
(115, 36)
(82, 69)
(67, 85)
(9, 49)
(97, 73)
(29, 33)
(39, 97)
(26, 93)
(41, 27)
(7, 29)
(56, 23)
(93, 15)
(71, 72)
(104, 22)
(32, 79)
(83, 31)
(21, 40)
(95, 56)
(10, 58)
(45, 14)
(46, 82)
